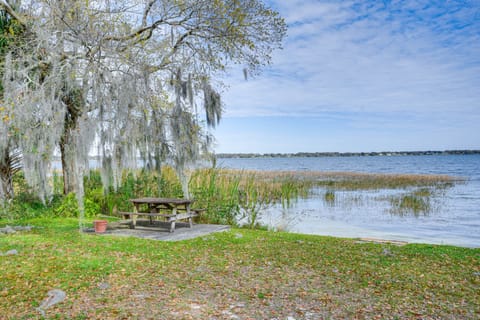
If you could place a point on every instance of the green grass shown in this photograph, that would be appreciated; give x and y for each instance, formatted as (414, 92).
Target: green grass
(248, 273)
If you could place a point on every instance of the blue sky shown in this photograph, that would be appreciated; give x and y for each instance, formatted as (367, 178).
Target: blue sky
(362, 76)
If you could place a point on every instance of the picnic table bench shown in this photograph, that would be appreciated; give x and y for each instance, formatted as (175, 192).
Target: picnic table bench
(171, 209)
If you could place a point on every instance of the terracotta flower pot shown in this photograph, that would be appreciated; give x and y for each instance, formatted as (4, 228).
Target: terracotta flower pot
(100, 226)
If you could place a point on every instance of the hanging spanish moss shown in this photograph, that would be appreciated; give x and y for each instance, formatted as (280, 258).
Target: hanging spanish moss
(37, 115)
(212, 104)
(121, 125)
(93, 79)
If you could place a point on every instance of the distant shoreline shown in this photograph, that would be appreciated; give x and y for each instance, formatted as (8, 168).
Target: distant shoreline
(344, 154)
(328, 154)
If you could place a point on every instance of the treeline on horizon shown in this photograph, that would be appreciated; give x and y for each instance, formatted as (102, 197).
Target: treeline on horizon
(344, 154)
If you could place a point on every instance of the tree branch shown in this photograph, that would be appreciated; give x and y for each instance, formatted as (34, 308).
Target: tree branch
(146, 12)
(12, 12)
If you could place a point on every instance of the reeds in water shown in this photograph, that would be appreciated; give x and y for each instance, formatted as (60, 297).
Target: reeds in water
(230, 195)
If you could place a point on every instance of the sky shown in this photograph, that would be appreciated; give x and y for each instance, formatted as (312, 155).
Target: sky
(362, 76)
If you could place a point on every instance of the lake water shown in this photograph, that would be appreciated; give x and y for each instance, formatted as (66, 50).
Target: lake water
(454, 217)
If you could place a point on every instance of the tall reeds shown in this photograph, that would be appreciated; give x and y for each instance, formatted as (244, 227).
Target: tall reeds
(229, 196)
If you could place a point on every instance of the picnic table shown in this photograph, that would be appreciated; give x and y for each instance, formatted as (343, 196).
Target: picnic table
(172, 209)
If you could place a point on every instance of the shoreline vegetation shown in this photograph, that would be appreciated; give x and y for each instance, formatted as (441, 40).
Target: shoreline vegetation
(230, 196)
(345, 154)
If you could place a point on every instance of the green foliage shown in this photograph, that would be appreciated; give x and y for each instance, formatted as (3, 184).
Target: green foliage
(24, 206)
(217, 193)
(68, 207)
(57, 181)
(11, 31)
(93, 201)
(252, 201)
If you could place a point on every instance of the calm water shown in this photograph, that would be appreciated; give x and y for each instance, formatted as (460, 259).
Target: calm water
(454, 218)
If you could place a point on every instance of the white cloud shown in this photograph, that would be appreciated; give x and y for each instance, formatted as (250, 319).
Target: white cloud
(357, 56)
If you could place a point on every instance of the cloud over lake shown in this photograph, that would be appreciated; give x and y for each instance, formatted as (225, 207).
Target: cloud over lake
(371, 63)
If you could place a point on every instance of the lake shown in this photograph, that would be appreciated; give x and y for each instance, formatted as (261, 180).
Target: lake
(454, 218)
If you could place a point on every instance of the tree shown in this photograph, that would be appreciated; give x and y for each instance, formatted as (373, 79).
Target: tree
(128, 76)
(10, 158)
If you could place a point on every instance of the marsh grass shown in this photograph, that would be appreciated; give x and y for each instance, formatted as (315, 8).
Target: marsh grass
(367, 181)
(287, 186)
(233, 195)
(329, 197)
(417, 202)
(410, 203)
(229, 195)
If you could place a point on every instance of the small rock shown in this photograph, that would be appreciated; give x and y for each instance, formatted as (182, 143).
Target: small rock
(11, 252)
(23, 228)
(238, 235)
(290, 318)
(53, 297)
(230, 315)
(7, 230)
(477, 274)
(387, 252)
(103, 285)
(237, 306)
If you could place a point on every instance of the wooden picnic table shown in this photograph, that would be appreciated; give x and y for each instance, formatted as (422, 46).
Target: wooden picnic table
(172, 209)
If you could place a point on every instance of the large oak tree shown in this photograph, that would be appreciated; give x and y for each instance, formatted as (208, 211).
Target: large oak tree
(126, 78)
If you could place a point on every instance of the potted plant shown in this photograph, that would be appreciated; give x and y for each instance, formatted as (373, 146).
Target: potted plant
(100, 226)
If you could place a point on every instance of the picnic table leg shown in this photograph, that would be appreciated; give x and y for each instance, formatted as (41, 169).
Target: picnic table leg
(134, 217)
(190, 220)
(134, 221)
(153, 209)
(173, 219)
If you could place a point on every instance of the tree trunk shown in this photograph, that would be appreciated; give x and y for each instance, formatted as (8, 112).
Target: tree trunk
(68, 145)
(68, 154)
(6, 185)
(9, 165)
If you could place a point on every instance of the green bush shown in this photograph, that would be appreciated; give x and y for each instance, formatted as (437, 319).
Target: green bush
(23, 207)
(68, 207)
(217, 193)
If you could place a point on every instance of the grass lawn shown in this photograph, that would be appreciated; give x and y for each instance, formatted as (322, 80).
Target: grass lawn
(240, 274)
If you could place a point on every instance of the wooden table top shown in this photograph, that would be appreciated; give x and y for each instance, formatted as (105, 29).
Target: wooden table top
(173, 201)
